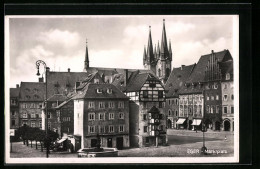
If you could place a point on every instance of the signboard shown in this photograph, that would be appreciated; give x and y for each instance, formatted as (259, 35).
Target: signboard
(12, 132)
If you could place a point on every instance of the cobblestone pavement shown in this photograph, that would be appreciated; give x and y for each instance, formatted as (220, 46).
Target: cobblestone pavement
(180, 144)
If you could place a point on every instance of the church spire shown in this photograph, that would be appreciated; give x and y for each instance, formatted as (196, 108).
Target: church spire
(164, 47)
(145, 56)
(86, 66)
(170, 51)
(150, 56)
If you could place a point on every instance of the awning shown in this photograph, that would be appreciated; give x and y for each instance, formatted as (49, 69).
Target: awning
(180, 121)
(61, 140)
(196, 122)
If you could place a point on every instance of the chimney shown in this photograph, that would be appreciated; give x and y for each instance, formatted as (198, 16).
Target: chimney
(126, 77)
(17, 85)
(212, 51)
(68, 69)
(182, 66)
(40, 79)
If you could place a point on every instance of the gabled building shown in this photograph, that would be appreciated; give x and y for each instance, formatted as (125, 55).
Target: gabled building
(176, 81)
(147, 116)
(31, 98)
(101, 109)
(14, 107)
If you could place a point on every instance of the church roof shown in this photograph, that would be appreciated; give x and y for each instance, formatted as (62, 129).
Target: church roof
(90, 92)
(32, 91)
(177, 79)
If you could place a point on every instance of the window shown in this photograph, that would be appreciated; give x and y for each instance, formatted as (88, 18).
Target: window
(32, 124)
(147, 140)
(49, 115)
(101, 105)
(36, 96)
(121, 115)
(66, 118)
(212, 109)
(217, 109)
(225, 86)
(145, 129)
(25, 105)
(160, 105)
(144, 116)
(176, 113)
(225, 97)
(40, 123)
(111, 129)
(49, 125)
(169, 112)
(120, 104)
(101, 129)
(24, 115)
(212, 97)
(109, 91)
(227, 76)
(33, 115)
(91, 116)
(225, 110)
(91, 105)
(99, 90)
(13, 113)
(208, 109)
(96, 80)
(121, 128)
(232, 97)
(169, 102)
(101, 116)
(232, 109)
(215, 85)
(111, 104)
(152, 85)
(207, 97)
(111, 116)
(13, 102)
(217, 97)
(13, 122)
(160, 94)
(91, 129)
(24, 123)
(145, 94)
(28, 97)
(39, 115)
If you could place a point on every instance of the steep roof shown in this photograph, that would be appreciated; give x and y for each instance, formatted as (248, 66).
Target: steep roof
(57, 97)
(32, 91)
(14, 92)
(64, 82)
(177, 79)
(90, 92)
(199, 70)
(227, 67)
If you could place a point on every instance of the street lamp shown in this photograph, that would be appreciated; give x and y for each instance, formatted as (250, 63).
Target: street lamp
(38, 63)
(204, 148)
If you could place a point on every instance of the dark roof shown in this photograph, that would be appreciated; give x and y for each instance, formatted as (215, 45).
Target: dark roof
(177, 79)
(57, 97)
(199, 71)
(14, 92)
(191, 89)
(64, 82)
(90, 91)
(63, 103)
(32, 91)
(119, 81)
(87, 80)
(137, 80)
(227, 67)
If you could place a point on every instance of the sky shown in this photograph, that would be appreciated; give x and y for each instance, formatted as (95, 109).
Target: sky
(113, 41)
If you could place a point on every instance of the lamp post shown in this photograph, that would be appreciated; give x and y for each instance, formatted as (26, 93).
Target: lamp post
(204, 148)
(38, 63)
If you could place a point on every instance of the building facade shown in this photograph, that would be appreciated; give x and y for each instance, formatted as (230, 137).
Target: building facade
(101, 110)
(14, 107)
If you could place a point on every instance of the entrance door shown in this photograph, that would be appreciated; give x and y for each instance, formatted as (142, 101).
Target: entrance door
(77, 143)
(227, 125)
(119, 143)
(169, 124)
(109, 142)
(93, 142)
(217, 125)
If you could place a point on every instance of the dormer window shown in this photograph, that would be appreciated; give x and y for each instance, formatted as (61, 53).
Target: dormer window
(122, 83)
(109, 91)
(99, 90)
(227, 76)
(96, 81)
(28, 97)
(27, 90)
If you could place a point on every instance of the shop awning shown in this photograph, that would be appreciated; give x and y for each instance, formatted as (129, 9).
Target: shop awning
(180, 121)
(61, 140)
(196, 122)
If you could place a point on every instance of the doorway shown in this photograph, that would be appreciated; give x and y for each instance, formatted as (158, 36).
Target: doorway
(109, 142)
(169, 124)
(217, 125)
(227, 125)
(93, 142)
(119, 143)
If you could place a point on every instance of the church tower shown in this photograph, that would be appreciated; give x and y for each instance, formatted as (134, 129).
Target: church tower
(159, 60)
(86, 62)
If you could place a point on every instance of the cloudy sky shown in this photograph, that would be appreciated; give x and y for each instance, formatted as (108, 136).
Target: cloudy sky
(113, 41)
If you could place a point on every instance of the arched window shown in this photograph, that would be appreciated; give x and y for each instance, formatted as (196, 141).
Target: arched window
(227, 76)
(169, 113)
(159, 72)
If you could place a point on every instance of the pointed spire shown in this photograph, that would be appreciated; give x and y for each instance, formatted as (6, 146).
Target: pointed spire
(86, 57)
(158, 50)
(155, 53)
(144, 56)
(150, 56)
(164, 47)
(170, 50)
